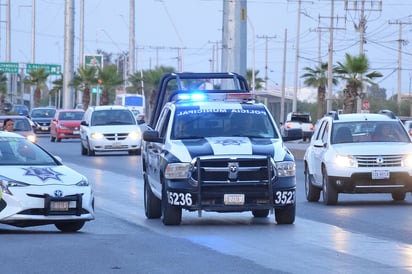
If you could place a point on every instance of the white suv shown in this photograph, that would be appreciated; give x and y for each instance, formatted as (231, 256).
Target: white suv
(350, 154)
(109, 128)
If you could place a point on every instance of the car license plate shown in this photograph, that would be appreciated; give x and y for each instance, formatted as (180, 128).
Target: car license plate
(44, 128)
(76, 132)
(234, 199)
(380, 174)
(116, 144)
(59, 205)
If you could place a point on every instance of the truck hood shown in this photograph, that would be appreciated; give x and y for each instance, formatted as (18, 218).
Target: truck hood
(187, 149)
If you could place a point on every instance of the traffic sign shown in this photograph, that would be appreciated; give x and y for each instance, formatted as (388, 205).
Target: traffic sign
(8, 67)
(93, 60)
(50, 69)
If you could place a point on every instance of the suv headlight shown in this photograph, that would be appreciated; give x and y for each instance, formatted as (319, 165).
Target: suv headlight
(346, 161)
(285, 169)
(6, 183)
(97, 136)
(134, 135)
(177, 171)
(407, 160)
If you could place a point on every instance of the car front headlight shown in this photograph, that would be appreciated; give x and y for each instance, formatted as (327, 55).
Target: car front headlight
(407, 160)
(346, 161)
(32, 138)
(7, 183)
(286, 169)
(134, 135)
(177, 171)
(83, 182)
(97, 136)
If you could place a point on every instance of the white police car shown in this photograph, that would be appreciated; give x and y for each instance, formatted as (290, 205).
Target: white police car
(37, 189)
(358, 153)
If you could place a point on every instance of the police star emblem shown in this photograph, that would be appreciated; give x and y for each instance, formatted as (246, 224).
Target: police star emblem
(43, 173)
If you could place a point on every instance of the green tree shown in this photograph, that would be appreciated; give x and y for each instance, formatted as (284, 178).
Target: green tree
(109, 80)
(354, 69)
(318, 78)
(56, 91)
(37, 78)
(83, 80)
(3, 88)
(258, 81)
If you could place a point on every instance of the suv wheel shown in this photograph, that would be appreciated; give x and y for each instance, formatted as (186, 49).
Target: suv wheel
(172, 215)
(152, 205)
(330, 195)
(83, 149)
(312, 192)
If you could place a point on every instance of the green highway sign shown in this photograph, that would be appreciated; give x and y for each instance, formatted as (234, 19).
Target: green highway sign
(50, 69)
(12, 68)
(93, 60)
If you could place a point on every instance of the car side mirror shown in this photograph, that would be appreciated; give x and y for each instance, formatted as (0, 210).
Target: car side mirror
(318, 143)
(84, 123)
(152, 136)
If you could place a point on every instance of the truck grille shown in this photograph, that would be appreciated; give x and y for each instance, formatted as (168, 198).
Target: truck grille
(379, 160)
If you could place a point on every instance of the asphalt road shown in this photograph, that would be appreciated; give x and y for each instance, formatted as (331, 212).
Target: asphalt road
(362, 234)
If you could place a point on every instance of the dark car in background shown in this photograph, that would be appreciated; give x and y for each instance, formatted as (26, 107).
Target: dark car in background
(42, 117)
(20, 110)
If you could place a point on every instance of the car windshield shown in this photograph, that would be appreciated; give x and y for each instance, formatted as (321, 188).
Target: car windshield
(19, 151)
(43, 113)
(70, 115)
(250, 121)
(112, 117)
(369, 131)
(22, 125)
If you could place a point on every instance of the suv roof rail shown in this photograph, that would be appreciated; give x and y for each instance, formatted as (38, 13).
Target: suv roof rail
(333, 114)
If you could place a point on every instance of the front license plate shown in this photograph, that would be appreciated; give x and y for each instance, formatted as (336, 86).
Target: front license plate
(116, 144)
(380, 174)
(59, 206)
(234, 199)
(76, 132)
(44, 128)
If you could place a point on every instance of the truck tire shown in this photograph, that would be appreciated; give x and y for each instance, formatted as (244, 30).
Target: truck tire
(152, 205)
(171, 215)
(263, 213)
(285, 215)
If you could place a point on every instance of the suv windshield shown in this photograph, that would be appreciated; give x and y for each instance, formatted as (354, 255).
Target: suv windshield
(250, 121)
(109, 117)
(369, 131)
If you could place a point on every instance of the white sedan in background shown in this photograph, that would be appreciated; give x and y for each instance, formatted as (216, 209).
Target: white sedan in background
(37, 189)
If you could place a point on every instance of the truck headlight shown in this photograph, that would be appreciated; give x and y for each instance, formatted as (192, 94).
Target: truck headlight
(407, 161)
(285, 169)
(177, 171)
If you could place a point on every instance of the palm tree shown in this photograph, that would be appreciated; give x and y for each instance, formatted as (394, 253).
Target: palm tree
(83, 80)
(109, 79)
(3, 88)
(56, 91)
(258, 80)
(37, 78)
(317, 77)
(354, 69)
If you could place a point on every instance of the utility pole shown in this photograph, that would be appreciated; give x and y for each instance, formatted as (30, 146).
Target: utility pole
(331, 29)
(374, 5)
(132, 37)
(68, 54)
(400, 43)
(282, 99)
(266, 37)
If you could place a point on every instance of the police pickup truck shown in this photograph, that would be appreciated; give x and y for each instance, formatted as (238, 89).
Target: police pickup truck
(210, 147)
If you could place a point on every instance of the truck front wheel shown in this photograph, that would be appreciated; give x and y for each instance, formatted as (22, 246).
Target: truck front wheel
(171, 215)
(285, 215)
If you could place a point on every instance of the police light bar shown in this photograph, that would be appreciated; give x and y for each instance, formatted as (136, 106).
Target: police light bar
(205, 97)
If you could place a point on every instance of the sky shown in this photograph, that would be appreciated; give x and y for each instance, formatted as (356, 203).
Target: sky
(163, 26)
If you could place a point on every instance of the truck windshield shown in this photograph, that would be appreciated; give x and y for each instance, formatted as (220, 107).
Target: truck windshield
(193, 122)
